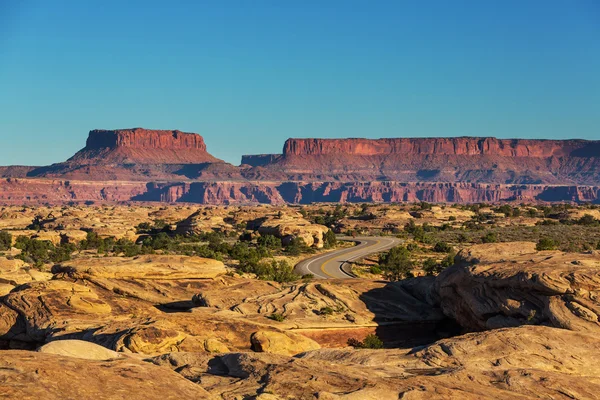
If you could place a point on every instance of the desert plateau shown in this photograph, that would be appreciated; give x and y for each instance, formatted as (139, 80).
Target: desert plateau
(186, 301)
(299, 200)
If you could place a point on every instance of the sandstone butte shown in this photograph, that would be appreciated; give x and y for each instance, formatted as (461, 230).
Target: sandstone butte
(173, 166)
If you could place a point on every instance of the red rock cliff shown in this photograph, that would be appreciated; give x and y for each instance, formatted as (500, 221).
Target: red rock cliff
(144, 138)
(434, 146)
(143, 146)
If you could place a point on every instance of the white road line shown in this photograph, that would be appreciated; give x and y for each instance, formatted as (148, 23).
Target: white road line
(364, 242)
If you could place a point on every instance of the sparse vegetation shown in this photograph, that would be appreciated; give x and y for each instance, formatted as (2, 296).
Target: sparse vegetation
(372, 341)
(396, 264)
(5, 240)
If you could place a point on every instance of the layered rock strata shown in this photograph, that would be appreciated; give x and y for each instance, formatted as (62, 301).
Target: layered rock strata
(173, 166)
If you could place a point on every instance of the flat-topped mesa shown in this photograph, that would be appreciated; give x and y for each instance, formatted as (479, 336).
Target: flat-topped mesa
(144, 138)
(471, 146)
(143, 146)
(260, 160)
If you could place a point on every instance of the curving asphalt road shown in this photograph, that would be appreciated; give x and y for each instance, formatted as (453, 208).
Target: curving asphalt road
(330, 265)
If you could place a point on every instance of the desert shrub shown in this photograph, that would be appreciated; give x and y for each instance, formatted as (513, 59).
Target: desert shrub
(62, 253)
(432, 267)
(396, 264)
(442, 247)
(370, 342)
(329, 239)
(278, 271)
(126, 247)
(452, 218)
(5, 240)
(296, 246)
(277, 317)
(92, 241)
(504, 209)
(143, 227)
(587, 219)
(269, 241)
(375, 270)
(38, 252)
(546, 244)
(490, 237)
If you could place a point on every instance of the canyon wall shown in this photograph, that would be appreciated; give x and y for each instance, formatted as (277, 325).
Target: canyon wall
(173, 166)
(41, 191)
(460, 146)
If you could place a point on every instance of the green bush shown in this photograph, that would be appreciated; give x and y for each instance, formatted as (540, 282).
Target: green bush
(375, 270)
(490, 237)
(546, 244)
(277, 317)
(269, 241)
(442, 247)
(396, 264)
(587, 219)
(432, 267)
(5, 241)
(296, 246)
(370, 342)
(329, 240)
(278, 271)
(38, 252)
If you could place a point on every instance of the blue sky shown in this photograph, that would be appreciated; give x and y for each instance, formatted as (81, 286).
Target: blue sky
(249, 74)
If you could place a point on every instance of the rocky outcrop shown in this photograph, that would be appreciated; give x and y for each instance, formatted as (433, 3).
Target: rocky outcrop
(79, 349)
(164, 267)
(287, 343)
(289, 225)
(32, 375)
(524, 363)
(511, 284)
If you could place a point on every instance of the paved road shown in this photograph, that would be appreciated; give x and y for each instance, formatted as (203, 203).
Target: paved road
(329, 265)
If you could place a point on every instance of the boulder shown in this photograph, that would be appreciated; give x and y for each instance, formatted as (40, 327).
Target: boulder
(79, 349)
(281, 343)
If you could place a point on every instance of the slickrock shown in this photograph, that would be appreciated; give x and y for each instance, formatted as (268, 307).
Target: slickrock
(523, 363)
(288, 225)
(281, 343)
(342, 303)
(79, 349)
(510, 284)
(34, 375)
(164, 267)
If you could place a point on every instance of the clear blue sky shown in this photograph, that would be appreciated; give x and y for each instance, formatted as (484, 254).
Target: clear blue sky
(249, 74)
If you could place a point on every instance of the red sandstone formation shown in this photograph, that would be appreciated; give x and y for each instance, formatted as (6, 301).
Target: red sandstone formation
(485, 160)
(143, 146)
(457, 146)
(173, 166)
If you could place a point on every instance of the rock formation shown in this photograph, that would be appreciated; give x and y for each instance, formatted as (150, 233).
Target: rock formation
(172, 166)
(511, 284)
